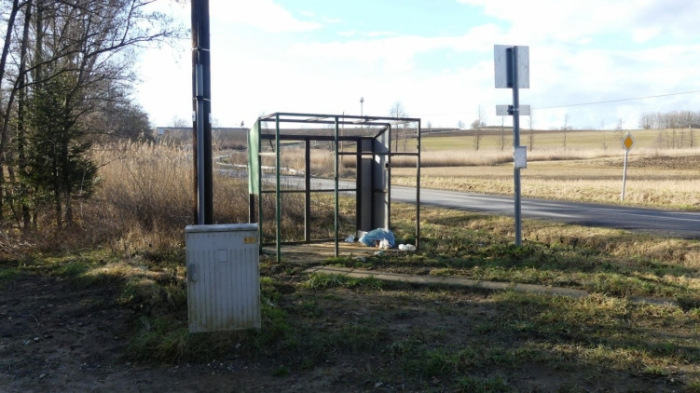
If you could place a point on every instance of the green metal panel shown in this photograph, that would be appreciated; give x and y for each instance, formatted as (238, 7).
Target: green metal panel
(254, 159)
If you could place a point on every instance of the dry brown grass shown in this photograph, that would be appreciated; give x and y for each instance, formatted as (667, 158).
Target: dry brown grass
(322, 161)
(145, 198)
(145, 195)
(451, 158)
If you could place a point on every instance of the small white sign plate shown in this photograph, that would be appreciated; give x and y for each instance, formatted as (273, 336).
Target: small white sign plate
(520, 157)
(502, 110)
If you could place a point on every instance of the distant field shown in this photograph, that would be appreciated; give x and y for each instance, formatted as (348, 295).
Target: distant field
(589, 169)
(493, 139)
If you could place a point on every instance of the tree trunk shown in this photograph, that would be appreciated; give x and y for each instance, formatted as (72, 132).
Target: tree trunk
(21, 153)
(21, 88)
(11, 201)
(5, 114)
(66, 170)
(57, 191)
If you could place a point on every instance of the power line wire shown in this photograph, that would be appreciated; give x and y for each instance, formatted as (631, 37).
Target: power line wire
(571, 105)
(617, 100)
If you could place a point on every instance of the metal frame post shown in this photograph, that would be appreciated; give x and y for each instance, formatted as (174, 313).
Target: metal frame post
(418, 137)
(278, 193)
(358, 185)
(260, 189)
(336, 218)
(387, 180)
(307, 188)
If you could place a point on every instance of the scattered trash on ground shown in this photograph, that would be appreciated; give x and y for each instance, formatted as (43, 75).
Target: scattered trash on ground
(375, 237)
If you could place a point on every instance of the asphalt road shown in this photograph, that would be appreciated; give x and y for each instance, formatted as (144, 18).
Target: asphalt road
(680, 224)
(673, 223)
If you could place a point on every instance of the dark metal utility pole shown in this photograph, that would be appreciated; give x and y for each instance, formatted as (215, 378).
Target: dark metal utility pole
(201, 113)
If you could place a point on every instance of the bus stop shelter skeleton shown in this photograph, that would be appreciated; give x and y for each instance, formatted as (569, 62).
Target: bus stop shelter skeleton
(372, 137)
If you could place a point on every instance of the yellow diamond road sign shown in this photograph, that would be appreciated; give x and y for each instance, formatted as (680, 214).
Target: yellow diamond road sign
(628, 141)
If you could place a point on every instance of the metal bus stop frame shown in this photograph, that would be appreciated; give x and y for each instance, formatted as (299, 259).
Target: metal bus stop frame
(366, 139)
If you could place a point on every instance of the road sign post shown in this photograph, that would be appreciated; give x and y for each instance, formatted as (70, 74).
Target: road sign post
(627, 143)
(513, 71)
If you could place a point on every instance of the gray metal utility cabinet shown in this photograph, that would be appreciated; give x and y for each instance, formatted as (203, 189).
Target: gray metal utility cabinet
(223, 279)
(371, 142)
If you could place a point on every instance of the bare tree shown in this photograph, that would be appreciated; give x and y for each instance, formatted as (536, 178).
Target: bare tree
(477, 126)
(602, 129)
(5, 110)
(82, 51)
(646, 121)
(620, 127)
(689, 124)
(397, 111)
(180, 122)
(565, 127)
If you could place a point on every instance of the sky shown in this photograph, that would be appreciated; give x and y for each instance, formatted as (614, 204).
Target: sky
(593, 64)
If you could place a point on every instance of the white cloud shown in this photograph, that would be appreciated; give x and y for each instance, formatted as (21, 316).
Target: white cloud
(580, 52)
(393, 53)
(556, 21)
(262, 14)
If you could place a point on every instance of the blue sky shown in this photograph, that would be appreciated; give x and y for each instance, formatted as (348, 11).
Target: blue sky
(436, 58)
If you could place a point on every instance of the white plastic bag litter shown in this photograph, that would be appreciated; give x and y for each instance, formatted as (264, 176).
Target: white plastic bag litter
(384, 244)
(407, 247)
(374, 238)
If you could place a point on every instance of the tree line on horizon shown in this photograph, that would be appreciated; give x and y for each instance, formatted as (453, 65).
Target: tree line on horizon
(669, 120)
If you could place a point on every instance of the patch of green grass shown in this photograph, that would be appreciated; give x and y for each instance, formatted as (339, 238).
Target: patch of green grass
(164, 339)
(314, 348)
(325, 281)
(604, 261)
(9, 273)
(419, 335)
(310, 307)
(435, 362)
(73, 269)
(490, 384)
(281, 371)
(693, 387)
(688, 302)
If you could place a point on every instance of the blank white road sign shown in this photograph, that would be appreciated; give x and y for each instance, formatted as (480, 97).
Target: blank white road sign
(501, 58)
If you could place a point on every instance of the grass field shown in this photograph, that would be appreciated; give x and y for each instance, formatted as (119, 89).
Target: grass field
(590, 169)
(105, 304)
(493, 139)
(328, 332)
